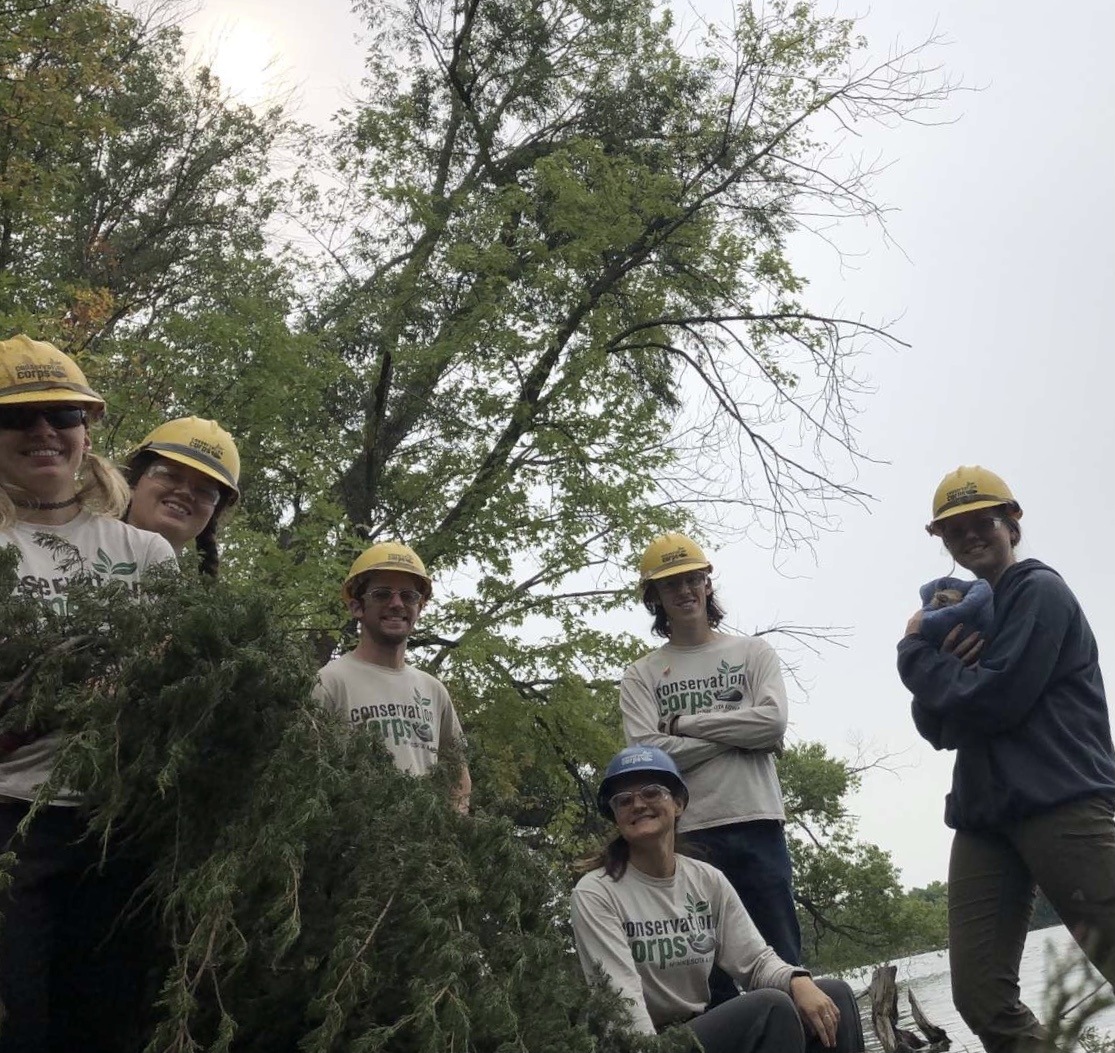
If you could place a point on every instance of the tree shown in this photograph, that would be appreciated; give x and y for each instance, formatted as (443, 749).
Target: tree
(310, 895)
(556, 271)
(553, 313)
(852, 908)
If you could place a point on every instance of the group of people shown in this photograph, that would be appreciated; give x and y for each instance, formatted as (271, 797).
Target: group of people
(688, 911)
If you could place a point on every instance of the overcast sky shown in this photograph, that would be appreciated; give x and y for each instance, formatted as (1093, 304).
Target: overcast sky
(1003, 281)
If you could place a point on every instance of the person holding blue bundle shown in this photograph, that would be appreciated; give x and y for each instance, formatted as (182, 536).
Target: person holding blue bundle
(1012, 683)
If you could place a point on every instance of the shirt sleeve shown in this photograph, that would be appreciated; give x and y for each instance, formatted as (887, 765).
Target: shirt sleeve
(160, 554)
(640, 725)
(998, 692)
(451, 730)
(598, 934)
(742, 952)
(323, 696)
(760, 726)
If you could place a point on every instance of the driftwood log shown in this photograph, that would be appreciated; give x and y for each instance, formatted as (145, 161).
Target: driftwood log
(883, 991)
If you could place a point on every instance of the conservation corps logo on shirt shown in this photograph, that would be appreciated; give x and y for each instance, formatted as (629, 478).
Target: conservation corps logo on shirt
(411, 722)
(53, 591)
(666, 942)
(725, 689)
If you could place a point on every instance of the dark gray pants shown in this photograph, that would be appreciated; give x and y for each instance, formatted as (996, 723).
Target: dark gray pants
(71, 962)
(767, 1021)
(1069, 852)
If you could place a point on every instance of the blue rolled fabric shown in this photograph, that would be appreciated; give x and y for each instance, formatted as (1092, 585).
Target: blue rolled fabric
(976, 609)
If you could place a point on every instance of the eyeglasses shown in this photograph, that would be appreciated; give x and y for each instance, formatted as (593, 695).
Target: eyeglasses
(682, 582)
(382, 594)
(24, 417)
(983, 525)
(168, 478)
(623, 800)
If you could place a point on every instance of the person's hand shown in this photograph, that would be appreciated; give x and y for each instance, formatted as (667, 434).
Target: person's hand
(668, 725)
(913, 626)
(816, 1008)
(966, 648)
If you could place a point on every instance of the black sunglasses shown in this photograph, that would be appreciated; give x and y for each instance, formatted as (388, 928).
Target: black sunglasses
(23, 417)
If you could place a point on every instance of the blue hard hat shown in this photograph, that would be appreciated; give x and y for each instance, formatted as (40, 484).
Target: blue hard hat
(640, 759)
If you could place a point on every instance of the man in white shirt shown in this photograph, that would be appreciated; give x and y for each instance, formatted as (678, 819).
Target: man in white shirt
(716, 703)
(372, 685)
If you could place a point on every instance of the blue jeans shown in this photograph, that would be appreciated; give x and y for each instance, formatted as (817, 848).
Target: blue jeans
(754, 858)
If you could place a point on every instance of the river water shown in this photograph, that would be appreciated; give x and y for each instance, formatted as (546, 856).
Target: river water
(1049, 952)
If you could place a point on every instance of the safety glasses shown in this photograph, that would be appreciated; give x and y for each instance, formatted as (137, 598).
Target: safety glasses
(623, 800)
(382, 594)
(167, 477)
(24, 417)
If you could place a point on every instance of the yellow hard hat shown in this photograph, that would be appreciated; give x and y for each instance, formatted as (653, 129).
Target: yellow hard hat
(387, 555)
(671, 554)
(198, 443)
(968, 489)
(35, 371)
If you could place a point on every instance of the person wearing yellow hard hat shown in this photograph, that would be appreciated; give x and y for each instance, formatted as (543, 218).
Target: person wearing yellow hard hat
(716, 703)
(1033, 788)
(184, 475)
(54, 952)
(373, 686)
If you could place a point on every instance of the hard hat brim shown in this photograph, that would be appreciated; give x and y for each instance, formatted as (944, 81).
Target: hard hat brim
(426, 585)
(975, 506)
(54, 393)
(193, 459)
(678, 568)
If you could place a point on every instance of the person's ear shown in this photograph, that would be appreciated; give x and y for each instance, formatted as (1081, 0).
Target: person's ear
(355, 607)
(86, 441)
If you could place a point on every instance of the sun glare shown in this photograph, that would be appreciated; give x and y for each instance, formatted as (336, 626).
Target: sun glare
(245, 57)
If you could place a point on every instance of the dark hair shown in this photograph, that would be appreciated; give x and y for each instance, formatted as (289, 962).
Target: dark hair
(661, 627)
(1015, 531)
(616, 854)
(209, 555)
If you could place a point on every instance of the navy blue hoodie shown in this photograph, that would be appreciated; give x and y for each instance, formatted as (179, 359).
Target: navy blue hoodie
(1029, 721)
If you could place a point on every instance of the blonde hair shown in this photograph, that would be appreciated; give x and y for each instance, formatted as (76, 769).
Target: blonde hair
(101, 490)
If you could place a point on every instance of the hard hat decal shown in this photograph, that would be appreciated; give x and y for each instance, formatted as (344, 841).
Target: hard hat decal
(642, 757)
(967, 491)
(674, 556)
(55, 369)
(208, 448)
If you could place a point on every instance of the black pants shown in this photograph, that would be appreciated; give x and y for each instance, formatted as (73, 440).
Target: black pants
(71, 972)
(768, 1022)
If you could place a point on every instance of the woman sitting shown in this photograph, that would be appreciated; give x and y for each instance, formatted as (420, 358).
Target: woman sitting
(656, 922)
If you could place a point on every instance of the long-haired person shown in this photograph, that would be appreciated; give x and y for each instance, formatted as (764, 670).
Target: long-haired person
(1033, 785)
(184, 475)
(716, 703)
(655, 922)
(57, 970)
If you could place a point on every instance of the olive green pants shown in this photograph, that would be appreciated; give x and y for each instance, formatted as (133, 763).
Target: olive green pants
(1069, 852)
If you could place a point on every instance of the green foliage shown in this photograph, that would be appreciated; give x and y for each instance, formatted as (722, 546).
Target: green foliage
(311, 895)
(556, 314)
(852, 908)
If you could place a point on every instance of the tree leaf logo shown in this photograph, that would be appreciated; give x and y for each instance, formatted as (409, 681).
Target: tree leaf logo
(103, 563)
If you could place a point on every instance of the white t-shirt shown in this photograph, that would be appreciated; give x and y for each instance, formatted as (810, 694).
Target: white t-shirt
(731, 699)
(410, 708)
(657, 939)
(104, 547)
